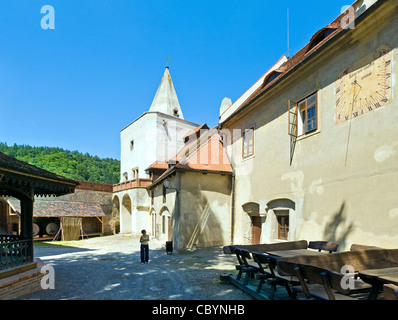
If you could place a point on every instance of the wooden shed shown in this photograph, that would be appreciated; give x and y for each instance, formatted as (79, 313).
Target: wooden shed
(63, 219)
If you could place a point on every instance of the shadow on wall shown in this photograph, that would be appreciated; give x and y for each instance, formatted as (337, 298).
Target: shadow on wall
(201, 227)
(337, 229)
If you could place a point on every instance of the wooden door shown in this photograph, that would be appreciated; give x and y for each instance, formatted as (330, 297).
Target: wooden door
(256, 229)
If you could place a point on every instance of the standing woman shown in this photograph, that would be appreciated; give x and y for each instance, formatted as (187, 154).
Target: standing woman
(144, 247)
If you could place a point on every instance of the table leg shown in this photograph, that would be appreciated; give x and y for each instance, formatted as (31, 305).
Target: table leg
(374, 292)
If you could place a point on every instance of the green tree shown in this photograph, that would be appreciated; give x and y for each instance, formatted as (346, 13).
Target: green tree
(70, 164)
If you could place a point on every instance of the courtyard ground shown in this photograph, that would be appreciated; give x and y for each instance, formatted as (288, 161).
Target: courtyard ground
(109, 268)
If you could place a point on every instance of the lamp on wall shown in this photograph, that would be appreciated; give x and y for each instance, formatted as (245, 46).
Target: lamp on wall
(166, 185)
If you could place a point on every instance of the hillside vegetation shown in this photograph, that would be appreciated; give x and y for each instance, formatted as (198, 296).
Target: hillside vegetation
(70, 164)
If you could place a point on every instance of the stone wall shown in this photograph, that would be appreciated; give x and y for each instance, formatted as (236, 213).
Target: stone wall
(22, 284)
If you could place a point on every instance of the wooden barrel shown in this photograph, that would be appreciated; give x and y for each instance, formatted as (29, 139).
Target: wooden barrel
(51, 229)
(36, 229)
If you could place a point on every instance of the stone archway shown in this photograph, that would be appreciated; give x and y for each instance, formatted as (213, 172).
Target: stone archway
(125, 215)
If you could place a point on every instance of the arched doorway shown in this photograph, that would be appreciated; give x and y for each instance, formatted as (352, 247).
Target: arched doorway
(166, 223)
(125, 216)
(253, 210)
(116, 215)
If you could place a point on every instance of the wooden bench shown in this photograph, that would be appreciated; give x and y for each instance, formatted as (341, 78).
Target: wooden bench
(245, 267)
(288, 245)
(323, 245)
(332, 266)
(390, 292)
(325, 284)
(272, 276)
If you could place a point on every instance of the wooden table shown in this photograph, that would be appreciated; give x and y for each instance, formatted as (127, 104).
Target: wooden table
(276, 255)
(377, 278)
(294, 253)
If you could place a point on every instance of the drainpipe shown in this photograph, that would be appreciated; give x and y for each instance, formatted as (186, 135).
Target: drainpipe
(232, 206)
(232, 188)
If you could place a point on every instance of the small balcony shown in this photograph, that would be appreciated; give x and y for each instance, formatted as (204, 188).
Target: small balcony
(130, 184)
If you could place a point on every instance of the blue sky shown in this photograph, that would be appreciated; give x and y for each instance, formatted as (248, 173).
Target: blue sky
(78, 85)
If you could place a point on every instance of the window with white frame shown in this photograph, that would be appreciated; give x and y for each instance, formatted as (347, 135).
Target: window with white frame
(303, 116)
(307, 115)
(248, 143)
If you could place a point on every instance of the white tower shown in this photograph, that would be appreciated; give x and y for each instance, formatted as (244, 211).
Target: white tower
(157, 135)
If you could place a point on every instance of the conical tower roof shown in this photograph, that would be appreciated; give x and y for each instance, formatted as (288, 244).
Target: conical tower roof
(166, 100)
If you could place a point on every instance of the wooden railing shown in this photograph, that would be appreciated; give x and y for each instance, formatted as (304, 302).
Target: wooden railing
(130, 184)
(13, 251)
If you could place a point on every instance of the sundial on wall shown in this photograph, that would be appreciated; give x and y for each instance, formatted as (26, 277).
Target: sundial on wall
(365, 85)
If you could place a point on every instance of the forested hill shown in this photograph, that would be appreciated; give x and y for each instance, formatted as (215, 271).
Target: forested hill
(70, 164)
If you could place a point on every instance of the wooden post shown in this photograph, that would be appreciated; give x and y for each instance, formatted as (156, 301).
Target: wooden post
(27, 223)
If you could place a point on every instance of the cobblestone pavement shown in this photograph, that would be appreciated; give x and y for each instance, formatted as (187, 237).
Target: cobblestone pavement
(109, 268)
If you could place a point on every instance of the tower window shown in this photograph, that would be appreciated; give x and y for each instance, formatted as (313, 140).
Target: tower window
(134, 173)
(175, 112)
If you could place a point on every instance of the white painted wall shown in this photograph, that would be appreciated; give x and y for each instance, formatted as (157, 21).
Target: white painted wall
(156, 136)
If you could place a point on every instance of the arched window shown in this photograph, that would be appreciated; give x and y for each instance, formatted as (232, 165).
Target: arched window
(320, 36)
(282, 209)
(271, 77)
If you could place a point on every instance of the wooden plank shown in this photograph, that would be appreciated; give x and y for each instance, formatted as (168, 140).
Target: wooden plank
(294, 253)
(387, 275)
(71, 228)
(289, 245)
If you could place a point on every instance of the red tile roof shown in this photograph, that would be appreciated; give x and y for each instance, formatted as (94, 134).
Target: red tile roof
(158, 165)
(203, 154)
(195, 132)
(206, 154)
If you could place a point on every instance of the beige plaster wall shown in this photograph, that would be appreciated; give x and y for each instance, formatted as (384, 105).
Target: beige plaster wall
(343, 179)
(205, 210)
(200, 212)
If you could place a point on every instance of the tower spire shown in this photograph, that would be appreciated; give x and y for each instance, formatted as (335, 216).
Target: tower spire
(166, 100)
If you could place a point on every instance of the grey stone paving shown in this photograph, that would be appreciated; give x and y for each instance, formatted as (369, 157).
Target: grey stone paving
(109, 268)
